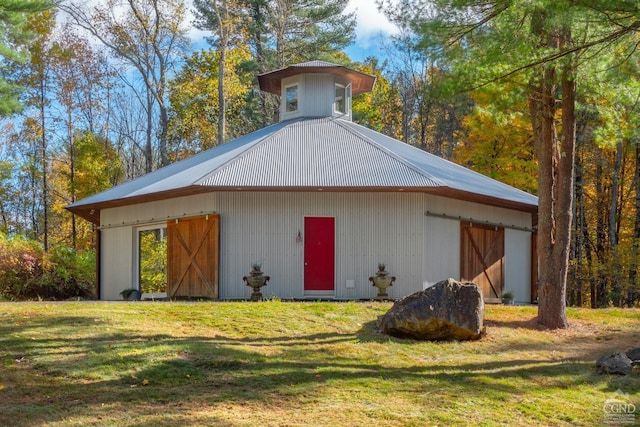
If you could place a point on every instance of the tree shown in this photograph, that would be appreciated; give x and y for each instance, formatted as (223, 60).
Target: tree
(548, 42)
(194, 116)
(302, 30)
(86, 167)
(495, 138)
(82, 82)
(279, 33)
(379, 109)
(14, 39)
(147, 35)
(226, 19)
(35, 76)
(604, 247)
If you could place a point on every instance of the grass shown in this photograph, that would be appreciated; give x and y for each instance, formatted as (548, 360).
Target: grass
(291, 364)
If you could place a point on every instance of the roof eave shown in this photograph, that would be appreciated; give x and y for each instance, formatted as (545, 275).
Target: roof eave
(91, 211)
(360, 82)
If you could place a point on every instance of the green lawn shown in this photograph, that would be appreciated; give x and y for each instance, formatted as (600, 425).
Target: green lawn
(292, 364)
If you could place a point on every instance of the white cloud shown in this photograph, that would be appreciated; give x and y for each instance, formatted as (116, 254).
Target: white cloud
(371, 25)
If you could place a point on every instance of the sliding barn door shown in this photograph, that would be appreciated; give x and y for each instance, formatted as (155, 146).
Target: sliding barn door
(193, 257)
(482, 257)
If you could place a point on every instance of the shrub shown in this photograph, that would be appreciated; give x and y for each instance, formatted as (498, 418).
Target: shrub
(27, 273)
(21, 267)
(69, 273)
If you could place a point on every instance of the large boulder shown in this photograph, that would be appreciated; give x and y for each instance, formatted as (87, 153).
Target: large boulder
(615, 363)
(634, 355)
(449, 310)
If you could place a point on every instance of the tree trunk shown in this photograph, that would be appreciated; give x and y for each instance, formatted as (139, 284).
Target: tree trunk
(148, 146)
(222, 104)
(633, 266)
(599, 298)
(163, 151)
(72, 174)
(616, 285)
(577, 245)
(555, 172)
(45, 184)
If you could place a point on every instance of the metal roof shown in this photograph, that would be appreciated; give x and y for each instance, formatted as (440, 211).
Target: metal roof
(310, 155)
(318, 153)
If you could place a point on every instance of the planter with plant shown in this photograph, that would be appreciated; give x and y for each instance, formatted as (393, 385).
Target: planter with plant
(131, 294)
(507, 297)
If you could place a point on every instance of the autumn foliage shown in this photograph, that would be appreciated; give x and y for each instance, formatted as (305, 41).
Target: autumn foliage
(27, 272)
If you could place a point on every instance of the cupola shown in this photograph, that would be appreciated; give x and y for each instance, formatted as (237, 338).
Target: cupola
(315, 89)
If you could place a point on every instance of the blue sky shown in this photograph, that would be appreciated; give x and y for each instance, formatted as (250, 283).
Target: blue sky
(372, 30)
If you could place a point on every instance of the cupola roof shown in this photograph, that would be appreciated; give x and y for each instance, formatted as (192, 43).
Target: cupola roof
(360, 82)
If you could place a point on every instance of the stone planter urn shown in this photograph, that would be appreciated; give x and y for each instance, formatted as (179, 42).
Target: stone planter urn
(382, 281)
(256, 279)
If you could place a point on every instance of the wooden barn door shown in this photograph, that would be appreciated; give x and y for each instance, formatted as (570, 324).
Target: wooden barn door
(193, 257)
(482, 257)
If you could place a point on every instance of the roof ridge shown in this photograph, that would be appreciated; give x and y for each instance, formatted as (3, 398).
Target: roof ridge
(342, 123)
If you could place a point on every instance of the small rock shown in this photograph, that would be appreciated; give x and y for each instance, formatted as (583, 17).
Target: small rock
(616, 363)
(448, 311)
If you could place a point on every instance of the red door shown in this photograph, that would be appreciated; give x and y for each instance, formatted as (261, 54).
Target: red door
(319, 254)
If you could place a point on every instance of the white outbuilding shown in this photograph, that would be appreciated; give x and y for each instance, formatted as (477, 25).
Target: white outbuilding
(319, 202)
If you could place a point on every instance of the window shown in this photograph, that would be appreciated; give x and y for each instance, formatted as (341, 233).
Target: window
(152, 259)
(291, 98)
(342, 98)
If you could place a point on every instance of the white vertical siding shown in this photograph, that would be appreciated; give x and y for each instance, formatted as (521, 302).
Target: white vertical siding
(316, 93)
(116, 273)
(517, 264)
(370, 227)
(319, 95)
(441, 250)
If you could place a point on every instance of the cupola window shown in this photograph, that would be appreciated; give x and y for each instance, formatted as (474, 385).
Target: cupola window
(342, 98)
(291, 98)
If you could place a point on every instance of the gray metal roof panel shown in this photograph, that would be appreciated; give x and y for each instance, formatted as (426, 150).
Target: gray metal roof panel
(450, 174)
(317, 153)
(316, 63)
(183, 173)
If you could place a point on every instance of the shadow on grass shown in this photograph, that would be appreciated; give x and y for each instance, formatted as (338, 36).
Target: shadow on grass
(530, 324)
(137, 375)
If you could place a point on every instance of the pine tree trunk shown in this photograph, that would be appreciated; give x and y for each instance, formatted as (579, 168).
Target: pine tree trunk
(601, 281)
(616, 285)
(633, 266)
(555, 172)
